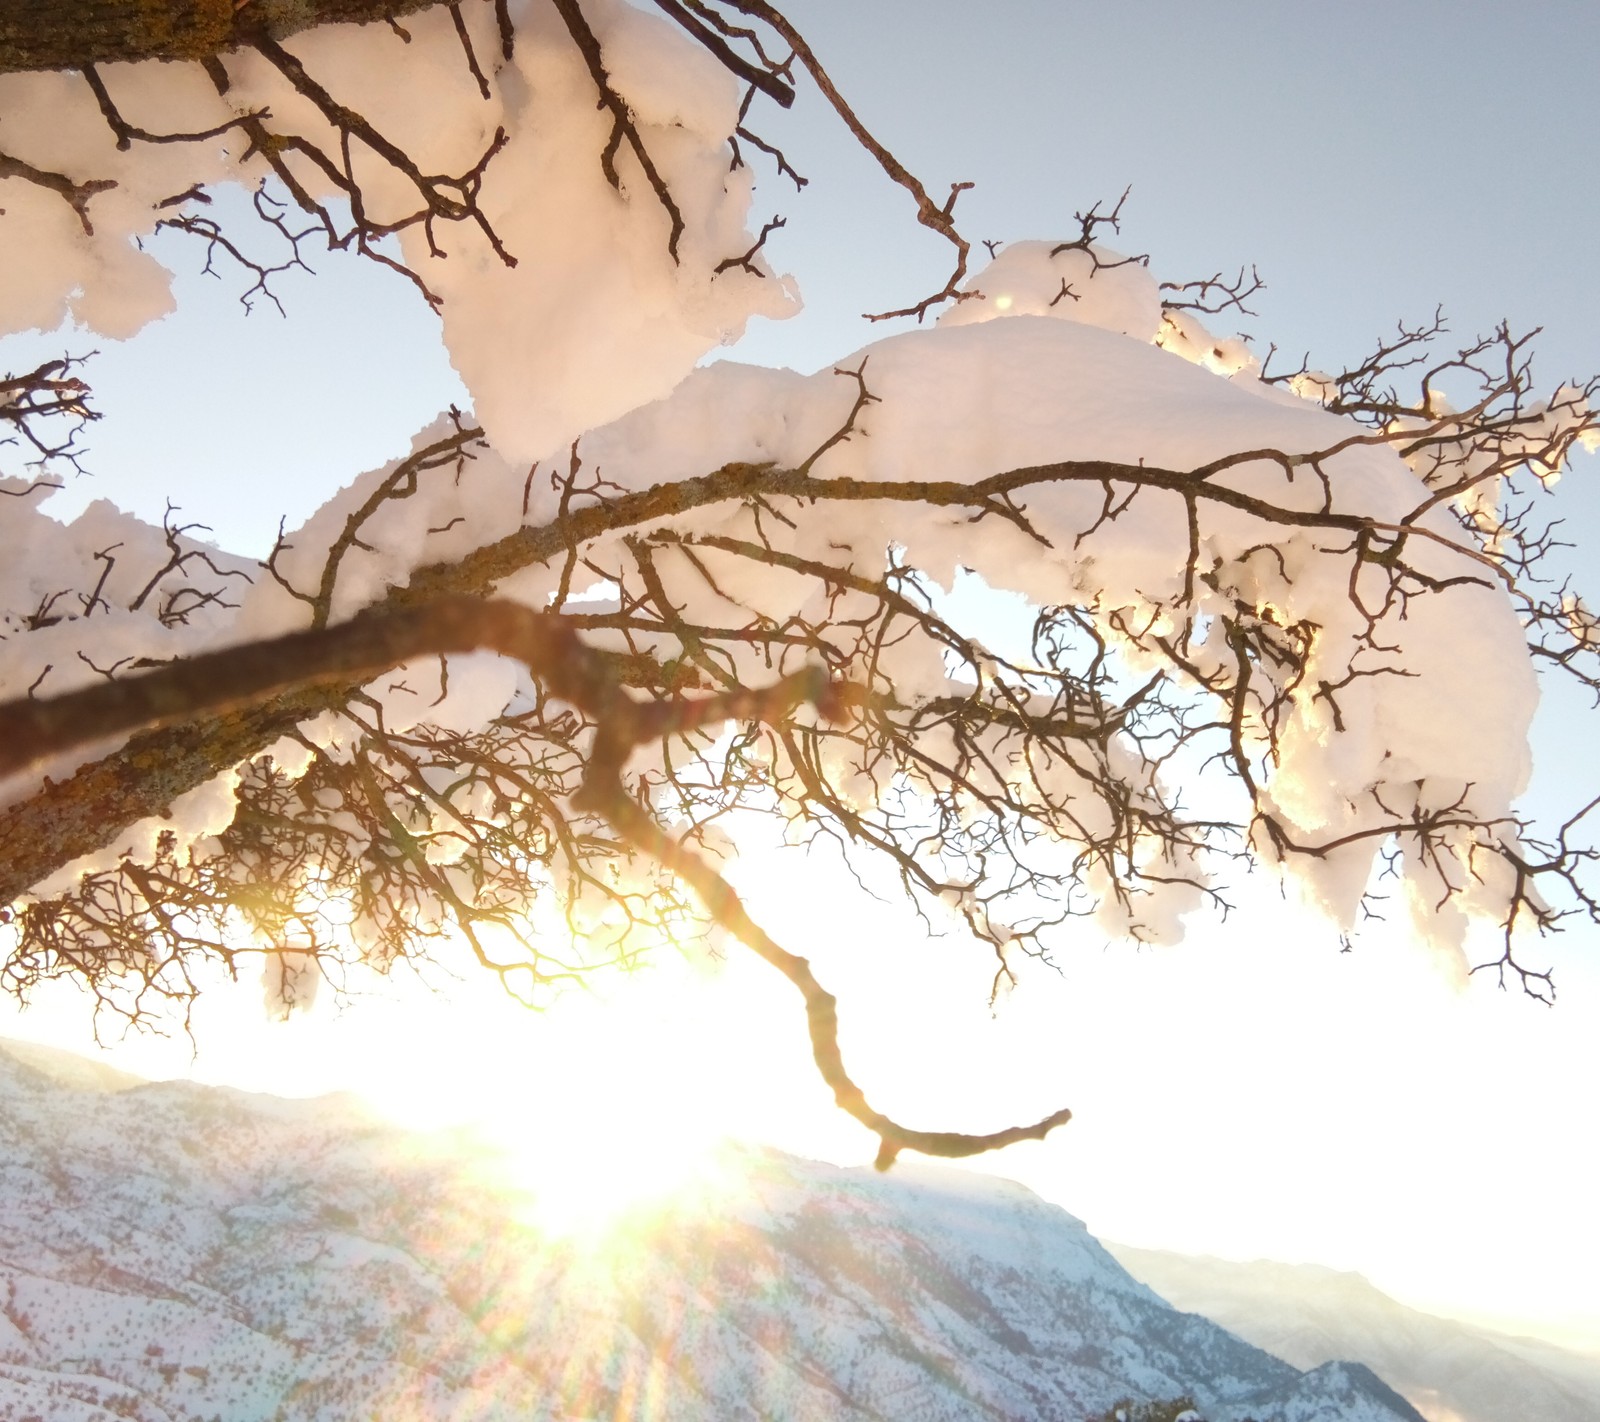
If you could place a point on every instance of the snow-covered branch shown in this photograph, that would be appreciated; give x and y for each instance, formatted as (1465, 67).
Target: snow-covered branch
(545, 664)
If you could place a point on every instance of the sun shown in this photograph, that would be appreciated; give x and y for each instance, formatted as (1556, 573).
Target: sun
(603, 1109)
(589, 1186)
(615, 1099)
(605, 1142)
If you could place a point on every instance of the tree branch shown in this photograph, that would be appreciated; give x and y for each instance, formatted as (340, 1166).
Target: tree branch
(44, 34)
(217, 683)
(636, 826)
(930, 214)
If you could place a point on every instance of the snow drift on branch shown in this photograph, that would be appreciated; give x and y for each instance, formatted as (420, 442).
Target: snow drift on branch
(1261, 626)
(595, 316)
(1391, 710)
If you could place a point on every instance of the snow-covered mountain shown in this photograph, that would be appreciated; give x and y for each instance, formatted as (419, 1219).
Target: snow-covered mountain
(1450, 1371)
(170, 1252)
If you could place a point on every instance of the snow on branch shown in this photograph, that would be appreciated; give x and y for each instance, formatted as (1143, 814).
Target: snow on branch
(454, 149)
(535, 673)
(1107, 675)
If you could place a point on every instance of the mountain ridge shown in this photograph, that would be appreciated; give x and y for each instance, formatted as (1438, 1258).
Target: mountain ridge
(1307, 1314)
(174, 1251)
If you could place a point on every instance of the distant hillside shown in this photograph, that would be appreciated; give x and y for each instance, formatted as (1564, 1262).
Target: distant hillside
(1451, 1372)
(68, 1068)
(174, 1252)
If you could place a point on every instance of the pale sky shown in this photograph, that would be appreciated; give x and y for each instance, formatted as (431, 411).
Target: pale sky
(1254, 1093)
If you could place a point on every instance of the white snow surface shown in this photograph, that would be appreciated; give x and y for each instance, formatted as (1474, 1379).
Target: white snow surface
(1090, 285)
(595, 317)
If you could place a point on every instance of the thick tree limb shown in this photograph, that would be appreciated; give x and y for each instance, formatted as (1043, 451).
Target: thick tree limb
(348, 654)
(46, 34)
(217, 684)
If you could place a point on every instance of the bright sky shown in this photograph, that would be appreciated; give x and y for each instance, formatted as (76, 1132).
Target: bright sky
(1254, 1093)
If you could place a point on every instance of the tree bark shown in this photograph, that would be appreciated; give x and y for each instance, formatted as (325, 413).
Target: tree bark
(47, 34)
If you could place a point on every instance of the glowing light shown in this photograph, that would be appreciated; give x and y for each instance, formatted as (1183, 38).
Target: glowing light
(1002, 303)
(602, 1112)
(598, 1185)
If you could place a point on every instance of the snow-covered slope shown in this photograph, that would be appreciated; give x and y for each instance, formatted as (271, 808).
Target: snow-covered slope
(1451, 1372)
(179, 1252)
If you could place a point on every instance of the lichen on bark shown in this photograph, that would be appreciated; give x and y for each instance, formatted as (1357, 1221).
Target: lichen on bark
(45, 34)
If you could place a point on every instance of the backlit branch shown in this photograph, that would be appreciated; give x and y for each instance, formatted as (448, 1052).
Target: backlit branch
(23, 847)
(570, 671)
(822, 1018)
(746, 641)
